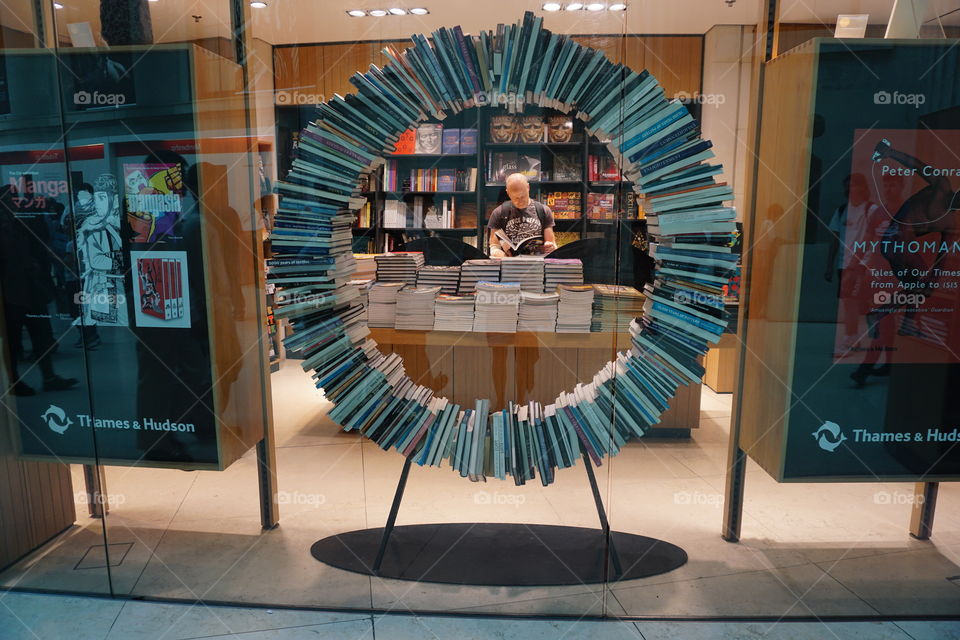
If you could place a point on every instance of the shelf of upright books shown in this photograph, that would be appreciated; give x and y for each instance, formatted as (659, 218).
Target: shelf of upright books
(168, 340)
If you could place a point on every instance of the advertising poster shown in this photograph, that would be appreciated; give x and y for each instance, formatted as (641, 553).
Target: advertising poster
(161, 291)
(899, 278)
(154, 196)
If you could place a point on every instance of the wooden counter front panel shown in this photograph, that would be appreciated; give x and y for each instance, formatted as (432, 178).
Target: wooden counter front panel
(516, 367)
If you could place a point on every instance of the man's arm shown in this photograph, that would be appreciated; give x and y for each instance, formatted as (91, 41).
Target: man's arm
(497, 250)
(549, 239)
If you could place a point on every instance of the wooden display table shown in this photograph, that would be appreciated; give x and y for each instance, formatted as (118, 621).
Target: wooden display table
(519, 367)
(721, 364)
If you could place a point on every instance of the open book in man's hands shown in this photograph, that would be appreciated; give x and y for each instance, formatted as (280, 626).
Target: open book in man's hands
(526, 245)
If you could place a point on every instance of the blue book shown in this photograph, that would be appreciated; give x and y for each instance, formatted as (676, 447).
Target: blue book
(450, 143)
(468, 140)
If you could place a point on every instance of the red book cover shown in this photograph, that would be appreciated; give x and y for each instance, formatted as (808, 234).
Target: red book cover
(407, 142)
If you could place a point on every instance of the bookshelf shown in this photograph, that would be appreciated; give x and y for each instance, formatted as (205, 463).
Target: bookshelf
(478, 203)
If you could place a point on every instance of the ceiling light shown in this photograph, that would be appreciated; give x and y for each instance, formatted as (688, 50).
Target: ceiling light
(552, 6)
(57, 5)
(398, 12)
(574, 6)
(595, 6)
(356, 13)
(617, 6)
(258, 4)
(419, 11)
(379, 13)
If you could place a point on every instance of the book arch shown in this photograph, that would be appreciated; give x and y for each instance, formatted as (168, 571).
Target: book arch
(660, 150)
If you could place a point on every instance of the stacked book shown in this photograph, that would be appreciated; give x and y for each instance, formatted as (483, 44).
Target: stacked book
(453, 313)
(473, 271)
(561, 271)
(538, 312)
(382, 305)
(399, 266)
(615, 307)
(497, 307)
(527, 270)
(366, 266)
(657, 147)
(414, 308)
(447, 278)
(575, 309)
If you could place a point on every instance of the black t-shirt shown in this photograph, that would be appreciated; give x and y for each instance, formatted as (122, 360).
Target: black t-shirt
(521, 224)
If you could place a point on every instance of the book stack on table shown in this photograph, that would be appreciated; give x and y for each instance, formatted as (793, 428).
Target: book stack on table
(615, 307)
(538, 312)
(473, 271)
(399, 266)
(415, 308)
(382, 310)
(454, 313)
(575, 309)
(561, 271)
(527, 270)
(447, 278)
(497, 307)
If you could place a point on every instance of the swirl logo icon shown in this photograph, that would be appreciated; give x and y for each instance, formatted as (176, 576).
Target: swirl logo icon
(829, 436)
(56, 418)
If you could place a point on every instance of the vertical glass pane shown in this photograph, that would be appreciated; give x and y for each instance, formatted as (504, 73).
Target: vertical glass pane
(50, 496)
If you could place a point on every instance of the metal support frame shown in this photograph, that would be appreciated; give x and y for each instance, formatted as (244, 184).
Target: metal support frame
(609, 548)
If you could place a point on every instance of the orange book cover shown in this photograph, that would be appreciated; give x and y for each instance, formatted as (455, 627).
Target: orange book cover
(407, 142)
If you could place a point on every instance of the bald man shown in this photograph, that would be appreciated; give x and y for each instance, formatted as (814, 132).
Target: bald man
(519, 218)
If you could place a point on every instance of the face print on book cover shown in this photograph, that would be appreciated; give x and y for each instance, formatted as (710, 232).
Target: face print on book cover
(504, 129)
(559, 129)
(531, 129)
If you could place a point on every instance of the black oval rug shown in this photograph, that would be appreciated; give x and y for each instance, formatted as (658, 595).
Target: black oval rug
(500, 554)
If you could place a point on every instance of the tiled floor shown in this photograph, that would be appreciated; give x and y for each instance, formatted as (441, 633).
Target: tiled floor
(807, 550)
(42, 617)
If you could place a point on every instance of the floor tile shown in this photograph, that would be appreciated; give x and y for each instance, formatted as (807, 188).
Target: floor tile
(25, 616)
(418, 628)
(352, 630)
(181, 621)
(930, 630)
(771, 631)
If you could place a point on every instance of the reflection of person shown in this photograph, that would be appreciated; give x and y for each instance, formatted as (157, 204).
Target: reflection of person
(503, 129)
(852, 221)
(933, 209)
(519, 218)
(101, 256)
(27, 284)
(559, 129)
(531, 129)
(428, 139)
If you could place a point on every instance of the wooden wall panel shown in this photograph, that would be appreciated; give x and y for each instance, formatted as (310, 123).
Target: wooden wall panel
(325, 69)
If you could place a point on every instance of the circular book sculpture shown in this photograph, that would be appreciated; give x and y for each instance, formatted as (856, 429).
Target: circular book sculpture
(658, 146)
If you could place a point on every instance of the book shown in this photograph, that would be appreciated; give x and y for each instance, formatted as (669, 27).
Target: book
(468, 140)
(532, 243)
(600, 206)
(565, 205)
(559, 129)
(429, 138)
(451, 141)
(567, 167)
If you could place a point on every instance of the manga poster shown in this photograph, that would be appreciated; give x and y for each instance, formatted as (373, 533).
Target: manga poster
(154, 194)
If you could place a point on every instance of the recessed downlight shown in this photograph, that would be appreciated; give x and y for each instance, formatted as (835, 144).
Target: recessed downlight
(574, 6)
(617, 6)
(258, 4)
(356, 13)
(378, 13)
(595, 6)
(397, 11)
(552, 6)
(419, 11)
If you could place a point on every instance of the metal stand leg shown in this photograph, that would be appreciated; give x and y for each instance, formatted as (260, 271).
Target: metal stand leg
(924, 506)
(609, 548)
(392, 518)
(733, 499)
(96, 487)
(267, 479)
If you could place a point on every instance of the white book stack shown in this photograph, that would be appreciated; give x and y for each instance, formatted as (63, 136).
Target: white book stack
(447, 278)
(538, 312)
(497, 307)
(454, 313)
(575, 309)
(382, 307)
(363, 286)
(473, 271)
(399, 267)
(366, 266)
(561, 271)
(415, 308)
(527, 270)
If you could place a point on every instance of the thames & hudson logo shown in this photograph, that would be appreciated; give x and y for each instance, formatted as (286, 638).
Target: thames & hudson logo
(829, 436)
(56, 418)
